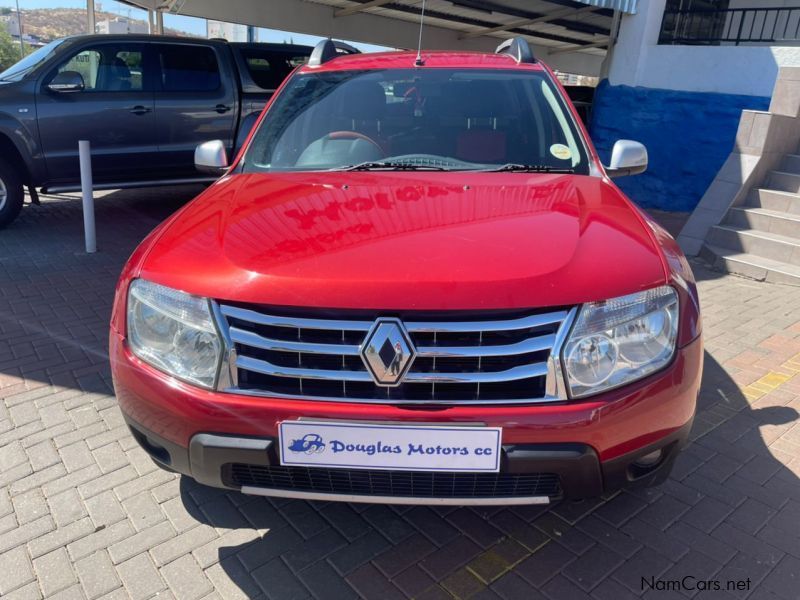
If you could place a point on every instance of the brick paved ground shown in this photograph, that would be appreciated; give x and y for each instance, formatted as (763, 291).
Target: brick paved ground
(84, 513)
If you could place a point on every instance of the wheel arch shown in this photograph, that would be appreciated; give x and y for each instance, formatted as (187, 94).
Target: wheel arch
(11, 152)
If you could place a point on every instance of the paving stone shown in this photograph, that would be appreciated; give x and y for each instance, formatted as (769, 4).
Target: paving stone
(140, 577)
(29, 506)
(182, 544)
(185, 578)
(707, 514)
(278, 583)
(745, 569)
(103, 537)
(748, 544)
(389, 523)
(232, 581)
(751, 516)
(561, 587)
(105, 509)
(228, 544)
(345, 520)
(324, 582)
(141, 542)
(645, 563)
(274, 543)
(66, 507)
(431, 525)
(609, 536)
(450, 557)
(413, 581)
(60, 537)
(97, 574)
(371, 584)
(545, 563)
(594, 566)
(54, 571)
(16, 570)
(702, 542)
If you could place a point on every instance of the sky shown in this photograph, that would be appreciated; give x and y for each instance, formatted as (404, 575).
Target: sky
(188, 24)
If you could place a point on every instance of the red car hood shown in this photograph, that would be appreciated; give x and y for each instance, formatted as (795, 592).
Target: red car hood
(407, 241)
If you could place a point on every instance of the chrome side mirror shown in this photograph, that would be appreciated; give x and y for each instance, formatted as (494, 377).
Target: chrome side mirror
(67, 81)
(211, 157)
(627, 158)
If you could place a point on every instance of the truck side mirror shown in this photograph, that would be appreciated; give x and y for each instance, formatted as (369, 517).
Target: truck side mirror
(67, 81)
(211, 157)
(627, 158)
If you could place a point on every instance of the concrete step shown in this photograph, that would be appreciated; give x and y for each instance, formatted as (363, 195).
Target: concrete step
(750, 265)
(764, 244)
(784, 181)
(791, 163)
(762, 219)
(785, 202)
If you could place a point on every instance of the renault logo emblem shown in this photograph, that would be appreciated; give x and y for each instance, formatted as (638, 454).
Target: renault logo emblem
(387, 351)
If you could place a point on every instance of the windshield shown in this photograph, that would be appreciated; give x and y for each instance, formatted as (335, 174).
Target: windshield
(18, 70)
(443, 119)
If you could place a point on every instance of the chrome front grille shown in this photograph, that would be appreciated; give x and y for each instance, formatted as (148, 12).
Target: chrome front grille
(509, 359)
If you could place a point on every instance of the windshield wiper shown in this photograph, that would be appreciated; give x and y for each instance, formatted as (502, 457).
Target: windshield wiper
(521, 168)
(389, 166)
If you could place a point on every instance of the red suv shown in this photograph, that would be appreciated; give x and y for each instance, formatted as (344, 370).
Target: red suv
(415, 284)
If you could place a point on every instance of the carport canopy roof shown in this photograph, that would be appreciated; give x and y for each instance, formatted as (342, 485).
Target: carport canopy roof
(570, 35)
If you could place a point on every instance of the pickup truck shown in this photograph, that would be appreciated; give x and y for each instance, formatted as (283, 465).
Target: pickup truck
(144, 102)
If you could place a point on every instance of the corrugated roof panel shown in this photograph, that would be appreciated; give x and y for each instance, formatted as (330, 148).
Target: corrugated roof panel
(626, 6)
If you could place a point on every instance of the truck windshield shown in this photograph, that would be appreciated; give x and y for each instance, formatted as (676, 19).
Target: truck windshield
(18, 70)
(441, 119)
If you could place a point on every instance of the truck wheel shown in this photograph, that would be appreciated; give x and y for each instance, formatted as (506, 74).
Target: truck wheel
(11, 193)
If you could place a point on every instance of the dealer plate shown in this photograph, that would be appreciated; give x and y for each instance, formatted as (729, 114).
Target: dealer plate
(390, 447)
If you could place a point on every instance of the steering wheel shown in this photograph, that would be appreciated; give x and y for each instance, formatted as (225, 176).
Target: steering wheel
(354, 135)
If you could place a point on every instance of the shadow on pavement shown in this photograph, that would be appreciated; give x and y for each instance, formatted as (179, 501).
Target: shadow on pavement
(707, 521)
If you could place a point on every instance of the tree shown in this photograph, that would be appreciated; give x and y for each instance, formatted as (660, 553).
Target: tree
(9, 50)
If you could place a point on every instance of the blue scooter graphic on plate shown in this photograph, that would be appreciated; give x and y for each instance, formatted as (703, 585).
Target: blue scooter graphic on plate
(310, 443)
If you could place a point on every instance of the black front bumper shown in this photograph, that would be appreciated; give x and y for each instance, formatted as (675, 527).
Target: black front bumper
(527, 471)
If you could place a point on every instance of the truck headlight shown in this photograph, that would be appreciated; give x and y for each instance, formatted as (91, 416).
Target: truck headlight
(621, 340)
(174, 332)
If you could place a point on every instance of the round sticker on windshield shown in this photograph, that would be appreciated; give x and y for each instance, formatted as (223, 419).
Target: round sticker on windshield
(560, 151)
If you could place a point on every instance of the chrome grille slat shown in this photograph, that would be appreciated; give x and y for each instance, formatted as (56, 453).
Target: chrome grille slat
(481, 361)
(240, 336)
(293, 322)
(262, 366)
(536, 344)
(514, 374)
(468, 326)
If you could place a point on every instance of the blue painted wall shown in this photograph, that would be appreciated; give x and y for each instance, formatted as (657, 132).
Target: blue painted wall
(688, 136)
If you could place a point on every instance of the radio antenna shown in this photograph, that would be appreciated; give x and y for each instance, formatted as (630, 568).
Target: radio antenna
(419, 62)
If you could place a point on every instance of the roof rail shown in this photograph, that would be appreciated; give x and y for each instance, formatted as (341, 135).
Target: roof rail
(328, 50)
(518, 48)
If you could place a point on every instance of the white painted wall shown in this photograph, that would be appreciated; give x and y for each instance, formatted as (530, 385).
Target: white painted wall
(638, 60)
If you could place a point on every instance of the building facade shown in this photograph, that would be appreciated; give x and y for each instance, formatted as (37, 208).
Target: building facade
(678, 79)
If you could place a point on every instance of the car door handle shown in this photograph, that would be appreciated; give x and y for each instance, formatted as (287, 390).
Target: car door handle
(139, 110)
(222, 108)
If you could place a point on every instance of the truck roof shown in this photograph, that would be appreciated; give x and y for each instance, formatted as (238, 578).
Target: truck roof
(405, 59)
(149, 37)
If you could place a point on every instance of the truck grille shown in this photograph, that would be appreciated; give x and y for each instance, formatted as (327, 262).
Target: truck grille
(506, 360)
(408, 484)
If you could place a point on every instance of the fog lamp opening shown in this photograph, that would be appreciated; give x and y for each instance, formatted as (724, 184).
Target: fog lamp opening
(649, 460)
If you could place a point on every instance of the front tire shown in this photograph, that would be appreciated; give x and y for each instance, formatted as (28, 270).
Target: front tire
(11, 193)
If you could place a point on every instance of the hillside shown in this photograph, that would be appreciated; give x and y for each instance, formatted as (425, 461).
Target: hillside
(51, 23)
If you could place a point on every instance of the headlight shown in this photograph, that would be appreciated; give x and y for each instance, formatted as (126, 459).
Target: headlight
(174, 332)
(621, 340)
